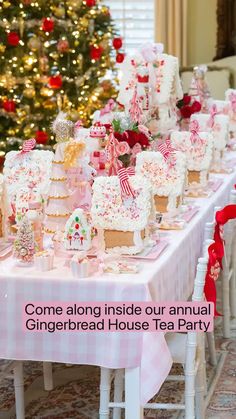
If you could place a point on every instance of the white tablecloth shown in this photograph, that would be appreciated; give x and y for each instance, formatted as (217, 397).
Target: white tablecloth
(169, 278)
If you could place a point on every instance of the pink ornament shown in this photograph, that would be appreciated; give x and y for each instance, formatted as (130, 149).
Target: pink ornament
(63, 46)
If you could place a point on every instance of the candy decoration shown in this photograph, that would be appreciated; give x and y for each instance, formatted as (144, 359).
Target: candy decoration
(24, 247)
(77, 231)
(114, 149)
(213, 113)
(194, 129)
(166, 149)
(28, 145)
(124, 174)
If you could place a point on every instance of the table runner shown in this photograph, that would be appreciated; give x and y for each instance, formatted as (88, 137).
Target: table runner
(169, 278)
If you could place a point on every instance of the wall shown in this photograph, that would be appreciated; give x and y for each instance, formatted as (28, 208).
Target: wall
(202, 29)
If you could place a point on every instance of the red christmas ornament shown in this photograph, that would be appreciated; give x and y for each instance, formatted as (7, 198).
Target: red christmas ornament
(47, 24)
(95, 52)
(90, 3)
(9, 105)
(13, 39)
(117, 43)
(55, 82)
(63, 46)
(77, 226)
(120, 57)
(41, 137)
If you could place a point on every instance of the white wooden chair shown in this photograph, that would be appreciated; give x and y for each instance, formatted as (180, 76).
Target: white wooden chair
(14, 371)
(187, 349)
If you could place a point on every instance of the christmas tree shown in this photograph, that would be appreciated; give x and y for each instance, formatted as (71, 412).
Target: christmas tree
(24, 246)
(54, 56)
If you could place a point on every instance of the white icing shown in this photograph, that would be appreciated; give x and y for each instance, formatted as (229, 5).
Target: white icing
(166, 177)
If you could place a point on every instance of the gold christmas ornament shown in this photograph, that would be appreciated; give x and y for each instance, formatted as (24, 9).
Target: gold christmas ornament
(84, 22)
(75, 4)
(29, 92)
(3, 145)
(2, 48)
(50, 104)
(29, 61)
(11, 131)
(6, 4)
(43, 64)
(59, 12)
(8, 81)
(74, 115)
(27, 130)
(21, 113)
(34, 43)
(46, 92)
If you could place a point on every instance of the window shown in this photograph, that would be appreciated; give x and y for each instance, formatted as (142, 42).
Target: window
(134, 20)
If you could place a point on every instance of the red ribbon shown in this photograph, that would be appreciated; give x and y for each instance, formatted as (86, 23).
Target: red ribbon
(216, 252)
(124, 174)
(166, 149)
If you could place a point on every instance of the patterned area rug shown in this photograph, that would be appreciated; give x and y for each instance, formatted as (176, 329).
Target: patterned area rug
(76, 390)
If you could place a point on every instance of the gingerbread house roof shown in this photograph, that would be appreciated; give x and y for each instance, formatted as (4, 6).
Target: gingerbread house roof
(166, 176)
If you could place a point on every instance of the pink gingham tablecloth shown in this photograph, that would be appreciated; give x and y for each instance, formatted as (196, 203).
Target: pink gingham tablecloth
(169, 278)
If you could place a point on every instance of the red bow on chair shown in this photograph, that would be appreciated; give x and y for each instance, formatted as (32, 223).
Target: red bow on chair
(213, 271)
(222, 217)
(124, 174)
(28, 145)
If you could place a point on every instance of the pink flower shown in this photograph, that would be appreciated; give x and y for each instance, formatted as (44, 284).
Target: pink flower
(123, 148)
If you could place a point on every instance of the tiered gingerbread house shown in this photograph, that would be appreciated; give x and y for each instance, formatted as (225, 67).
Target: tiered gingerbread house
(58, 209)
(166, 175)
(154, 78)
(121, 220)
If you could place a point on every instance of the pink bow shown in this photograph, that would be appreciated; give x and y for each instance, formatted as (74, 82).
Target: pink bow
(194, 130)
(166, 149)
(112, 154)
(232, 99)
(124, 174)
(213, 113)
(28, 145)
(137, 148)
(108, 107)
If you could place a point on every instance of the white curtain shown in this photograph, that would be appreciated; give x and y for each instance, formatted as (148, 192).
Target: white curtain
(171, 27)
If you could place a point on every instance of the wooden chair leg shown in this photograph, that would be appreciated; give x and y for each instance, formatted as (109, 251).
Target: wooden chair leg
(19, 390)
(118, 392)
(211, 347)
(105, 387)
(225, 301)
(47, 376)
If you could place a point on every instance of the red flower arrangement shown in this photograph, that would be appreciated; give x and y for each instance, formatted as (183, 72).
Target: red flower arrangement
(187, 106)
(132, 138)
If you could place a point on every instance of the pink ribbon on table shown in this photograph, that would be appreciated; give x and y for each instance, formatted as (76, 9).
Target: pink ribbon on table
(124, 174)
(213, 113)
(232, 99)
(166, 149)
(194, 129)
(108, 107)
(112, 154)
(28, 145)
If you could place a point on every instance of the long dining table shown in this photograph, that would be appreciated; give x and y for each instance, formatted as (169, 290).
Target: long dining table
(144, 355)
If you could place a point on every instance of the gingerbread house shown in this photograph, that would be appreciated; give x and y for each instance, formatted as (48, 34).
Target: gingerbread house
(166, 175)
(154, 78)
(198, 149)
(121, 220)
